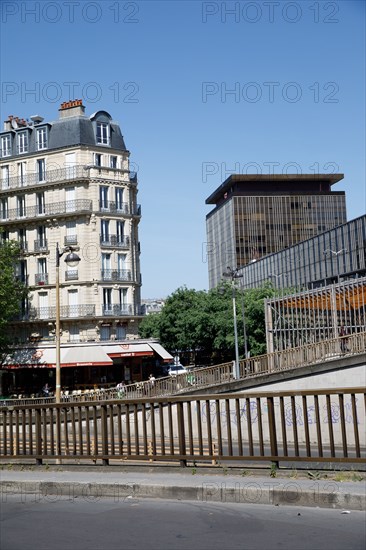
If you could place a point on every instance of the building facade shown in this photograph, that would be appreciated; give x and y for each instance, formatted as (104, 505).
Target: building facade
(258, 215)
(331, 257)
(68, 182)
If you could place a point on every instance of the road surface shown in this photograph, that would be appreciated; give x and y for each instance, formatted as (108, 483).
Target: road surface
(64, 523)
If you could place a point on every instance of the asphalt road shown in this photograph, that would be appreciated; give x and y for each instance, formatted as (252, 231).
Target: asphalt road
(54, 523)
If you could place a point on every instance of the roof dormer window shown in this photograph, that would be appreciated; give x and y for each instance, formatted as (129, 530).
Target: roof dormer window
(41, 138)
(103, 133)
(22, 142)
(6, 146)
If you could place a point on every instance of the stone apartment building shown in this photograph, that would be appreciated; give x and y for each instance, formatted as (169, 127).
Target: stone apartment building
(68, 182)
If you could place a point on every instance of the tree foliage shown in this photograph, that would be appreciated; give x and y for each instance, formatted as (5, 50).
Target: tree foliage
(12, 292)
(199, 324)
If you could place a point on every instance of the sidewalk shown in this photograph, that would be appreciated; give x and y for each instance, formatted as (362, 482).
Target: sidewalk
(130, 482)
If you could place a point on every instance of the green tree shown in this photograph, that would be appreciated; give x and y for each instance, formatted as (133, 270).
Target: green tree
(150, 326)
(12, 292)
(181, 320)
(200, 323)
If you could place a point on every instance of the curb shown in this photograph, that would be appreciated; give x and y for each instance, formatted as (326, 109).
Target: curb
(276, 493)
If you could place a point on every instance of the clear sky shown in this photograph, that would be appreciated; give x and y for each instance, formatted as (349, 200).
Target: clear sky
(201, 90)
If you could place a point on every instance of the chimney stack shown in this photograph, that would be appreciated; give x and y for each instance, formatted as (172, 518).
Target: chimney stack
(71, 108)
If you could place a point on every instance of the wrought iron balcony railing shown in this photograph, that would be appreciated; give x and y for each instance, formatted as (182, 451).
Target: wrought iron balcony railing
(116, 275)
(79, 172)
(41, 245)
(117, 310)
(41, 279)
(53, 209)
(114, 241)
(120, 208)
(66, 312)
(114, 207)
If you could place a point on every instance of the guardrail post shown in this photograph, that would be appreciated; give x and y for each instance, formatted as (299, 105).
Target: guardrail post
(38, 426)
(104, 425)
(181, 433)
(272, 428)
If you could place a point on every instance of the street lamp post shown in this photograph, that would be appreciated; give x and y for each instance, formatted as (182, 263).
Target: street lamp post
(72, 259)
(233, 274)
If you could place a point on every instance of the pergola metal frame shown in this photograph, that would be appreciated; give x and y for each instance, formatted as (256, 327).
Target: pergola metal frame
(313, 315)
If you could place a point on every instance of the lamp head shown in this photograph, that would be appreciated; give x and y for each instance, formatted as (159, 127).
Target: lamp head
(72, 259)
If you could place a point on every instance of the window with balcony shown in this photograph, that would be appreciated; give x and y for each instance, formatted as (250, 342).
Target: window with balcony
(43, 305)
(41, 170)
(120, 231)
(21, 206)
(105, 230)
(5, 181)
(40, 245)
(73, 300)
(22, 142)
(22, 173)
(103, 133)
(21, 271)
(70, 195)
(41, 139)
(103, 197)
(71, 237)
(106, 267)
(4, 209)
(124, 274)
(119, 198)
(97, 159)
(41, 275)
(6, 146)
(107, 301)
(22, 239)
(123, 301)
(41, 207)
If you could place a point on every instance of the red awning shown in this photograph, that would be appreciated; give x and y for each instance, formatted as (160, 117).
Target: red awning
(129, 350)
(46, 358)
(93, 356)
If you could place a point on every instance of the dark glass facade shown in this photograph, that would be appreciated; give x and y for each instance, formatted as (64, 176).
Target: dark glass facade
(256, 216)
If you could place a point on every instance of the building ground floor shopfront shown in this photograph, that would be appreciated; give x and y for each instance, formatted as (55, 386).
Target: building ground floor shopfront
(26, 371)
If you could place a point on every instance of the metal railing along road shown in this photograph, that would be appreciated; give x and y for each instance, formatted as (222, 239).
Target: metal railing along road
(288, 427)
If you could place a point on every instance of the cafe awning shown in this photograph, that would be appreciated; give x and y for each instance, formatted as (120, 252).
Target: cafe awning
(93, 356)
(82, 355)
(158, 348)
(46, 357)
(129, 350)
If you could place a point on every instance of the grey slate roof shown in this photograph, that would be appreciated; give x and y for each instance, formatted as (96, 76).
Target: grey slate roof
(70, 131)
(79, 131)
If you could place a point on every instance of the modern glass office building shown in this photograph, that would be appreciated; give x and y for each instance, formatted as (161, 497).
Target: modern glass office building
(258, 215)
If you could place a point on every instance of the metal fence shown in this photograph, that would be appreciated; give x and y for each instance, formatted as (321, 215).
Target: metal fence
(287, 427)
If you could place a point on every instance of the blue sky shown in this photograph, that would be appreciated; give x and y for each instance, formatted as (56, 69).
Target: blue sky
(201, 90)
